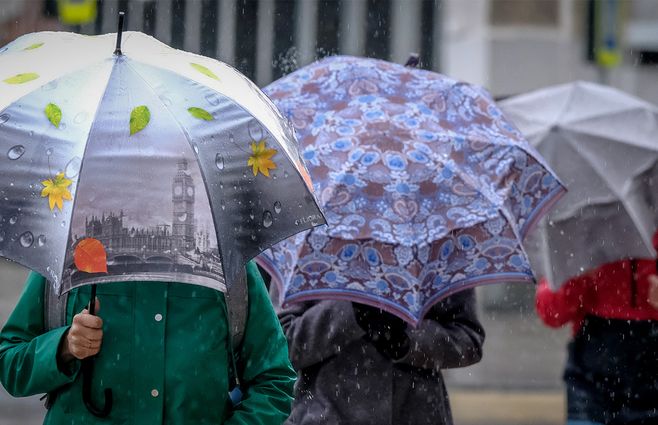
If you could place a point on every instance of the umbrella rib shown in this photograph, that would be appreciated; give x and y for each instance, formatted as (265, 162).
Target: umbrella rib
(621, 198)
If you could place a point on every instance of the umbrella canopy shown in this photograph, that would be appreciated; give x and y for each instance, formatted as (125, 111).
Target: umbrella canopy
(604, 145)
(427, 189)
(147, 164)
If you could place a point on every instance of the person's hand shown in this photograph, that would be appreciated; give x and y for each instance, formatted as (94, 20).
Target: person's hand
(385, 331)
(84, 337)
(652, 298)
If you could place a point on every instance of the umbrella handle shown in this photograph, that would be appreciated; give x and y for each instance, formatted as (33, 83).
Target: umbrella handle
(88, 370)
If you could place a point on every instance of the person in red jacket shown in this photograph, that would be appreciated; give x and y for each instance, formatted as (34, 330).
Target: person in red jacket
(611, 373)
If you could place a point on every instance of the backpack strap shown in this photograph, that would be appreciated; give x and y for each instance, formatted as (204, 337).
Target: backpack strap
(237, 305)
(54, 308)
(54, 316)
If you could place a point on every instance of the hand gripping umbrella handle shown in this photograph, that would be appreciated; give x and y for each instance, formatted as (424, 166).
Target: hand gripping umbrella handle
(87, 372)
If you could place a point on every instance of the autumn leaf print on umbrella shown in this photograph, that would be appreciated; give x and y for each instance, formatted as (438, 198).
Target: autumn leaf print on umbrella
(147, 164)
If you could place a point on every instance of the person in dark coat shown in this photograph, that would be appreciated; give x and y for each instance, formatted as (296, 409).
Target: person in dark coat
(358, 365)
(611, 373)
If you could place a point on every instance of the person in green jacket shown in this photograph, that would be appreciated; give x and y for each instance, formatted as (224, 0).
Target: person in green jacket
(161, 347)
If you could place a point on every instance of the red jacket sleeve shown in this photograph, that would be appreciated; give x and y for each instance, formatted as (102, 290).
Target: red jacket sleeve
(566, 305)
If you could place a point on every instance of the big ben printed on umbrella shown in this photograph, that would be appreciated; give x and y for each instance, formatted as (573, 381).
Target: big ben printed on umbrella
(147, 164)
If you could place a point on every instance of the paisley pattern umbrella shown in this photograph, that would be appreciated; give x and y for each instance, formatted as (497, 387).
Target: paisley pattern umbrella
(426, 187)
(146, 164)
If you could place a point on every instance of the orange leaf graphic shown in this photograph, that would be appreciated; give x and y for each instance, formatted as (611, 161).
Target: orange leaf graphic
(90, 257)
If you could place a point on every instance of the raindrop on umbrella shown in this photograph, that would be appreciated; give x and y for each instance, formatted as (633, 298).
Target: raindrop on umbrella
(213, 99)
(41, 240)
(73, 167)
(16, 152)
(81, 117)
(13, 220)
(267, 219)
(182, 217)
(277, 207)
(2, 235)
(4, 118)
(49, 151)
(26, 239)
(219, 161)
(50, 86)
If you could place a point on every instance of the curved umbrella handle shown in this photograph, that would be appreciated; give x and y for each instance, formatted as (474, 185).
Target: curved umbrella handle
(88, 370)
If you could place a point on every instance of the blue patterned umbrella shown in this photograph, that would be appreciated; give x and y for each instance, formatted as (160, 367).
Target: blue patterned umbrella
(426, 187)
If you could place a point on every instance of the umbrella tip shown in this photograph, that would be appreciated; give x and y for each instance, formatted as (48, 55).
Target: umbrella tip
(414, 59)
(117, 51)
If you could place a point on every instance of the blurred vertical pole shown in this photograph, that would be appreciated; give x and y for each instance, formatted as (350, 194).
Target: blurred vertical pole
(110, 16)
(226, 33)
(353, 27)
(192, 29)
(265, 42)
(163, 21)
(437, 30)
(135, 15)
(405, 29)
(306, 31)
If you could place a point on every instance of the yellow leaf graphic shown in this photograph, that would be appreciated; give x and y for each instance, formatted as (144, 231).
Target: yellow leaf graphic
(139, 119)
(261, 160)
(54, 114)
(57, 191)
(21, 78)
(33, 46)
(205, 71)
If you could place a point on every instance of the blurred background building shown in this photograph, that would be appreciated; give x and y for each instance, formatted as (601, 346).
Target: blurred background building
(509, 46)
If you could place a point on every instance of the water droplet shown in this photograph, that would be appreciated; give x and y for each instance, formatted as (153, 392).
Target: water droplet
(50, 86)
(4, 118)
(81, 117)
(13, 220)
(253, 237)
(196, 148)
(54, 215)
(267, 219)
(132, 232)
(2, 235)
(16, 152)
(73, 167)
(41, 240)
(213, 99)
(11, 183)
(31, 133)
(63, 223)
(62, 126)
(49, 151)
(26, 239)
(277, 207)
(244, 175)
(252, 216)
(219, 162)
(222, 205)
(299, 205)
(285, 174)
(182, 216)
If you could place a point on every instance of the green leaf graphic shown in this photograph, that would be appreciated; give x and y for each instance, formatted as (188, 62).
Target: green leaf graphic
(200, 113)
(21, 78)
(205, 71)
(139, 119)
(33, 46)
(54, 114)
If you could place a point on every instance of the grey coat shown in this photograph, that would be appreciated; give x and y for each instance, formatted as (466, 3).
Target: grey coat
(344, 380)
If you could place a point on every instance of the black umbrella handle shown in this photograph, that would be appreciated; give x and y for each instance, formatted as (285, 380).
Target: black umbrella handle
(87, 370)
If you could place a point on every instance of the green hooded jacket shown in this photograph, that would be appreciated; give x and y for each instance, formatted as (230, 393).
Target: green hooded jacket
(164, 355)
